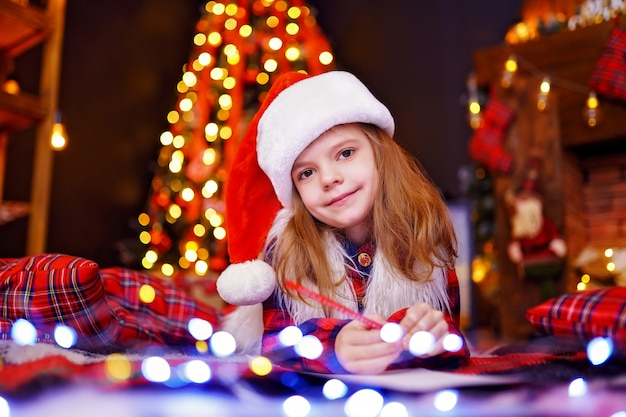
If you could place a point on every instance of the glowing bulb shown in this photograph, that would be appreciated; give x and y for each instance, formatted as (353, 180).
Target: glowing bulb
(309, 347)
(452, 342)
(58, 139)
(446, 400)
(290, 336)
(64, 336)
(510, 67)
(511, 64)
(577, 388)
(592, 100)
(197, 371)
(599, 350)
(545, 86)
(275, 43)
(421, 343)
(391, 332)
(334, 389)
(223, 344)
(23, 332)
(199, 328)
(5, 409)
(147, 294)
(296, 406)
(260, 365)
(364, 403)
(117, 367)
(156, 369)
(394, 409)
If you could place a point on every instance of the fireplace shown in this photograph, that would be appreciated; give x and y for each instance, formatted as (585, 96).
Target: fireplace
(584, 174)
(595, 210)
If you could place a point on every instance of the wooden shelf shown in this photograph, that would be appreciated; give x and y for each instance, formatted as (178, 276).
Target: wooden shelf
(22, 27)
(19, 111)
(571, 56)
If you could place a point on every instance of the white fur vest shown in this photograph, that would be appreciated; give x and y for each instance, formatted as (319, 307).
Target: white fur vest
(386, 292)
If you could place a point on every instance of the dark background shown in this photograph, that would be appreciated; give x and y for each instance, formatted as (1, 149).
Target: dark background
(123, 58)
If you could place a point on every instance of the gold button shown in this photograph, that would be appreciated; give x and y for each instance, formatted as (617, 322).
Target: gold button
(364, 259)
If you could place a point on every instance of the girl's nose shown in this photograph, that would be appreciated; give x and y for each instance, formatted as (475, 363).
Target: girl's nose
(331, 177)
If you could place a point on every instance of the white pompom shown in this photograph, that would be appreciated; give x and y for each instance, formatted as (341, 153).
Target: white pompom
(247, 283)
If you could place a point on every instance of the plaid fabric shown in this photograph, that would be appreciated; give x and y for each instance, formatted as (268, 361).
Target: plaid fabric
(609, 76)
(584, 315)
(326, 329)
(102, 306)
(162, 321)
(486, 144)
(48, 289)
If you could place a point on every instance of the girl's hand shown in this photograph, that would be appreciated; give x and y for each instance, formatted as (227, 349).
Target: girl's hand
(422, 317)
(360, 350)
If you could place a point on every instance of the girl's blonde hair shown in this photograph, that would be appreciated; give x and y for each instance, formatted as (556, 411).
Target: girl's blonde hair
(410, 224)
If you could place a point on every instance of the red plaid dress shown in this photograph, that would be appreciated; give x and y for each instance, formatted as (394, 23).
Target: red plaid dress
(325, 329)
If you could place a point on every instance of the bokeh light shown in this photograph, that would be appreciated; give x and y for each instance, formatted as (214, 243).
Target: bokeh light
(309, 347)
(23, 333)
(599, 350)
(394, 409)
(117, 367)
(156, 369)
(64, 336)
(421, 343)
(223, 344)
(391, 332)
(290, 336)
(296, 406)
(5, 410)
(260, 365)
(577, 388)
(196, 371)
(334, 389)
(200, 329)
(364, 403)
(446, 400)
(452, 342)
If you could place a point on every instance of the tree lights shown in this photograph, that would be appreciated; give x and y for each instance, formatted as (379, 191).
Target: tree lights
(238, 48)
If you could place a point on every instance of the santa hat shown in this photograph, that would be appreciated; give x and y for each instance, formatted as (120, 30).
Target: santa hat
(297, 109)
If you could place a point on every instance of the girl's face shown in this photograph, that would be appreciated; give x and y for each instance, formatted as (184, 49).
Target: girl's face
(337, 179)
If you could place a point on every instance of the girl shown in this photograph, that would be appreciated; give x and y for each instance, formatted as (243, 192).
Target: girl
(320, 194)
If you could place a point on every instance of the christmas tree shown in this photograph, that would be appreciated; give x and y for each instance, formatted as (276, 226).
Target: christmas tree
(238, 49)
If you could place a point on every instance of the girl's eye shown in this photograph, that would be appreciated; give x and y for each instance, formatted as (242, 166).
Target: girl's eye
(305, 174)
(346, 153)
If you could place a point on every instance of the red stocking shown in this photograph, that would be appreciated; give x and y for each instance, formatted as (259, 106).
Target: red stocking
(486, 143)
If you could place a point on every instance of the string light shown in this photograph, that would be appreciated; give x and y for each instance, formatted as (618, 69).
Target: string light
(58, 136)
(591, 111)
(510, 68)
(544, 90)
(473, 105)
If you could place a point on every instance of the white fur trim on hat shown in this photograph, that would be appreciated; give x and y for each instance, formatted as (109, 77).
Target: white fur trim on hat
(305, 110)
(246, 283)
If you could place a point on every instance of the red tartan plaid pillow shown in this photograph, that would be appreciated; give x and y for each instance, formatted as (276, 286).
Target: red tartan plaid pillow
(161, 319)
(102, 306)
(48, 289)
(609, 76)
(584, 315)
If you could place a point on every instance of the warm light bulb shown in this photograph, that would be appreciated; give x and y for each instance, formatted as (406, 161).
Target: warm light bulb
(510, 67)
(58, 138)
(591, 110)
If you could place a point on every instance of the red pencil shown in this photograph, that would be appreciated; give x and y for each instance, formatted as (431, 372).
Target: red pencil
(355, 315)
